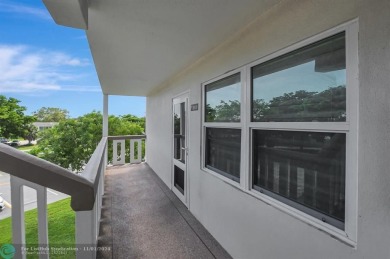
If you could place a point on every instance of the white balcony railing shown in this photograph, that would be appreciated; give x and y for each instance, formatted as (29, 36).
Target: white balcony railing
(86, 190)
(119, 149)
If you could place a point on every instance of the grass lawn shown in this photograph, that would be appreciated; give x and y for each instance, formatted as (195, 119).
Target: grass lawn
(61, 220)
(26, 147)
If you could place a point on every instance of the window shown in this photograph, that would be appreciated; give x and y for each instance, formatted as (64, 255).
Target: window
(285, 128)
(223, 100)
(222, 120)
(223, 148)
(305, 85)
(304, 169)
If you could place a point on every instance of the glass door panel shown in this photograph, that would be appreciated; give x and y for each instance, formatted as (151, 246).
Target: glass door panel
(180, 149)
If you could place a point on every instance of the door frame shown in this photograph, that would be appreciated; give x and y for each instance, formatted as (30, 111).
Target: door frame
(184, 96)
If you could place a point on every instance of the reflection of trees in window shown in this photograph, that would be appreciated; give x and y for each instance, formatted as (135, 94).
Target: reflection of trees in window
(176, 123)
(179, 138)
(224, 112)
(210, 113)
(328, 105)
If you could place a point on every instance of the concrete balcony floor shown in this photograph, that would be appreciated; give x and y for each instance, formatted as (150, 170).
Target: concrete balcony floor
(142, 218)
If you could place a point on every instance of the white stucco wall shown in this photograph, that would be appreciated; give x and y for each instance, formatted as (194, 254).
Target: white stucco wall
(244, 225)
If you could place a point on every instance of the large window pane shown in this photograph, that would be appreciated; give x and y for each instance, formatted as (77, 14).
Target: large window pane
(305, 85)
(223, 148)
(303, 169)
(222, 100)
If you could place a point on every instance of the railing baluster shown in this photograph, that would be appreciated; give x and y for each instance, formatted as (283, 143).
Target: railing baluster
(132, 151)
(118, 160)
(105, 163)
(293, 183)
(86, 236)
(42, 219)
(18, 223)
(100, 192)
(18, 227)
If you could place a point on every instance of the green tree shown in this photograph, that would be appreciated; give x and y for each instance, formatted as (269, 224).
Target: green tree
(71, 143)
(13, 121)
(225, 111)
(228, 111)
(30, 132)
(134, 119)
(259, 109)
(210, 113)
(51, 114)
(328, 105)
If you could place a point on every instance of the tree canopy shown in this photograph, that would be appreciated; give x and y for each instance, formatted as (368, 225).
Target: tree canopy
(51, 114)
(328, 105)
(71, 143)
(13, 121)
(30, 133)
(298, 106)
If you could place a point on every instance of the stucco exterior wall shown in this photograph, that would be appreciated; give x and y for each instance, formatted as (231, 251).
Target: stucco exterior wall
(244, 225)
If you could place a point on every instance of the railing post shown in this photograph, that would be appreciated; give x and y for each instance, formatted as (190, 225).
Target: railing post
(86, 234)
(18, 224)
(105, 133)
(102, 176)
(100, 194)
(105, 115)
(18, 227)
(43, 235)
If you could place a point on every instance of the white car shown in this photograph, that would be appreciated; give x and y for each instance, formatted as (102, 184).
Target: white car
(2, 206)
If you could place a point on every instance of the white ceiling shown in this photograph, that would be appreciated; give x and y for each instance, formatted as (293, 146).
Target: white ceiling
(139, 44)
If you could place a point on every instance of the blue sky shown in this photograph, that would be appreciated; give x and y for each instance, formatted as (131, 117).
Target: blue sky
(46, 65)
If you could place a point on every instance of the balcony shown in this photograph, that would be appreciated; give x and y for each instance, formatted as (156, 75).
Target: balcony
(122, 210)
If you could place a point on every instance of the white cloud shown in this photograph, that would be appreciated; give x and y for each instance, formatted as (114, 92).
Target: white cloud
(25, 70)
(9, 7)
(59, 59)
(81, 89)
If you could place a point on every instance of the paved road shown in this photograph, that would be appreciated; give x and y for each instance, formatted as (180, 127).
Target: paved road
(30, 196)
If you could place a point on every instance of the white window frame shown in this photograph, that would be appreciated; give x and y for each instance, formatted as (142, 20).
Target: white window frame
(349, 127)
(225, 125)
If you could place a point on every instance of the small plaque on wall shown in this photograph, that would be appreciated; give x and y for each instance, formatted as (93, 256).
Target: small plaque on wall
(194, 107)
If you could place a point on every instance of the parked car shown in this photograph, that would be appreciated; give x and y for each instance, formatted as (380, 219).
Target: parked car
(2, 205)
(14, 143)
(3, 140)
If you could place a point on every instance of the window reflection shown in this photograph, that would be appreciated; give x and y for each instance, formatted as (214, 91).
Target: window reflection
(306, 168)
(305, 85)
(223, 148)
(179, 131)
(223, 100)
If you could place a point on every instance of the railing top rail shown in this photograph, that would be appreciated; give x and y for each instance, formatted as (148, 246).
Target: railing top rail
(82, 188)
(127, 137)
(92, 170)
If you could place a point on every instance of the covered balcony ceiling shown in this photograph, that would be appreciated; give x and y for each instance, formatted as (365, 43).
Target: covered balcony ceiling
(139, 45)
